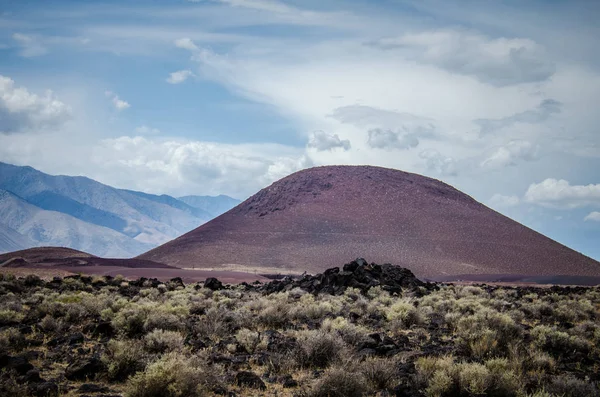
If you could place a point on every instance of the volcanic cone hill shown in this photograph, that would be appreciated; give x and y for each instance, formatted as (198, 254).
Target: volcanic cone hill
(61, 257)
(317, 218)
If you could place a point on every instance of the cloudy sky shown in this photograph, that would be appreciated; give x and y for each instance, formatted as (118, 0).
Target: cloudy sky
(499, 99)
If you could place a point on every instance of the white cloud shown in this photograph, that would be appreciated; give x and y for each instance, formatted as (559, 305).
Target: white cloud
(186, 43)
(196, 166)
(512, 154)
(179, 76)
(559, 193)
(145, 130)
(388, 139)
(261, 5)
(593, 216)
(22, 111)
(117, 102)
(540, 114)
(321, 141)
(499, 61)
(439, 163)
(30, 45)
(502, 201)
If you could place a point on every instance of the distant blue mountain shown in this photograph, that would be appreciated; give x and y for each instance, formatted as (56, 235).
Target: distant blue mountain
(215, 205)
(56, 202)
(147, 219)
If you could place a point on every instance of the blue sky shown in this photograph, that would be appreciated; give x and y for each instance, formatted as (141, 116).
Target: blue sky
(225, 96)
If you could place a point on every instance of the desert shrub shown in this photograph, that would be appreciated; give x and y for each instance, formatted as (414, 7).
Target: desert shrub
(161, 341)
(11, 339)
(171, 376)
(568, 386)
(469, 290)
(308, 308)
(50, 324)
(405, 312)
(163, 320)
(8, 316)
(440, 384)
(502, 378)
(573, 311)
(558, 342)
(540, 361)
(474, 378)
(275, 315)
(130, 321)
(351, 334)
(248, 339)
(487, 332)
(318, 349)
(379, 373)
(441, 376)
(427, 366)
(213, 324)
(339, 382)
(123, 358)
(75, 313)
(537, 310)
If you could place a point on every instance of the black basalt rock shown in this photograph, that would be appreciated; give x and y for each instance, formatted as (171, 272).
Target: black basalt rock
(213, 284)
(356, 274)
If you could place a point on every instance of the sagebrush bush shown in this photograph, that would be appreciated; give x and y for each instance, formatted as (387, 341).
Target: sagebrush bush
(161, 341)
(380, 373)
(173, 375)
(124, 358)
(318, 349)
(339, 382)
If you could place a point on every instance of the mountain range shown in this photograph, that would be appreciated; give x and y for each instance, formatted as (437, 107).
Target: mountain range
(37, 209)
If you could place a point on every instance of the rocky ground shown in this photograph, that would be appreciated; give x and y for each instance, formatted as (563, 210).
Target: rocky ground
(364, 329)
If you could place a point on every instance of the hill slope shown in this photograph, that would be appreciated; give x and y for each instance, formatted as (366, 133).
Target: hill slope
(11, 240)
(321, 217)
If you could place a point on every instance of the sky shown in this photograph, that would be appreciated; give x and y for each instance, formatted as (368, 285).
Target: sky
(497, 98)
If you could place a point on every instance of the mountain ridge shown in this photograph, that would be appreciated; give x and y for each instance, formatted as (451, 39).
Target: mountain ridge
(143, 220)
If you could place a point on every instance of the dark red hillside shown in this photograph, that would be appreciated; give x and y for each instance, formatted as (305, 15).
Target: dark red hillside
(321, 217)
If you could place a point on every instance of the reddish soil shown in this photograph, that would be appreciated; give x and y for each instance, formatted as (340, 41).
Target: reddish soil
(326, 216)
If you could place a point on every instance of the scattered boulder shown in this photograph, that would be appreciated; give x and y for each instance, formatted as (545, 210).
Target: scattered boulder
(213, 284)
(249, 379)
(44, 389)
(93, 388)
(19, 364)
(83, 369)
(288, 382)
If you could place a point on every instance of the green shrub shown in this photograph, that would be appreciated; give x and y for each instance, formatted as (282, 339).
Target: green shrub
(318, 349)
(380, 373)
(123, 358)
(339, 382)
(161, 341)
(173, 375)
